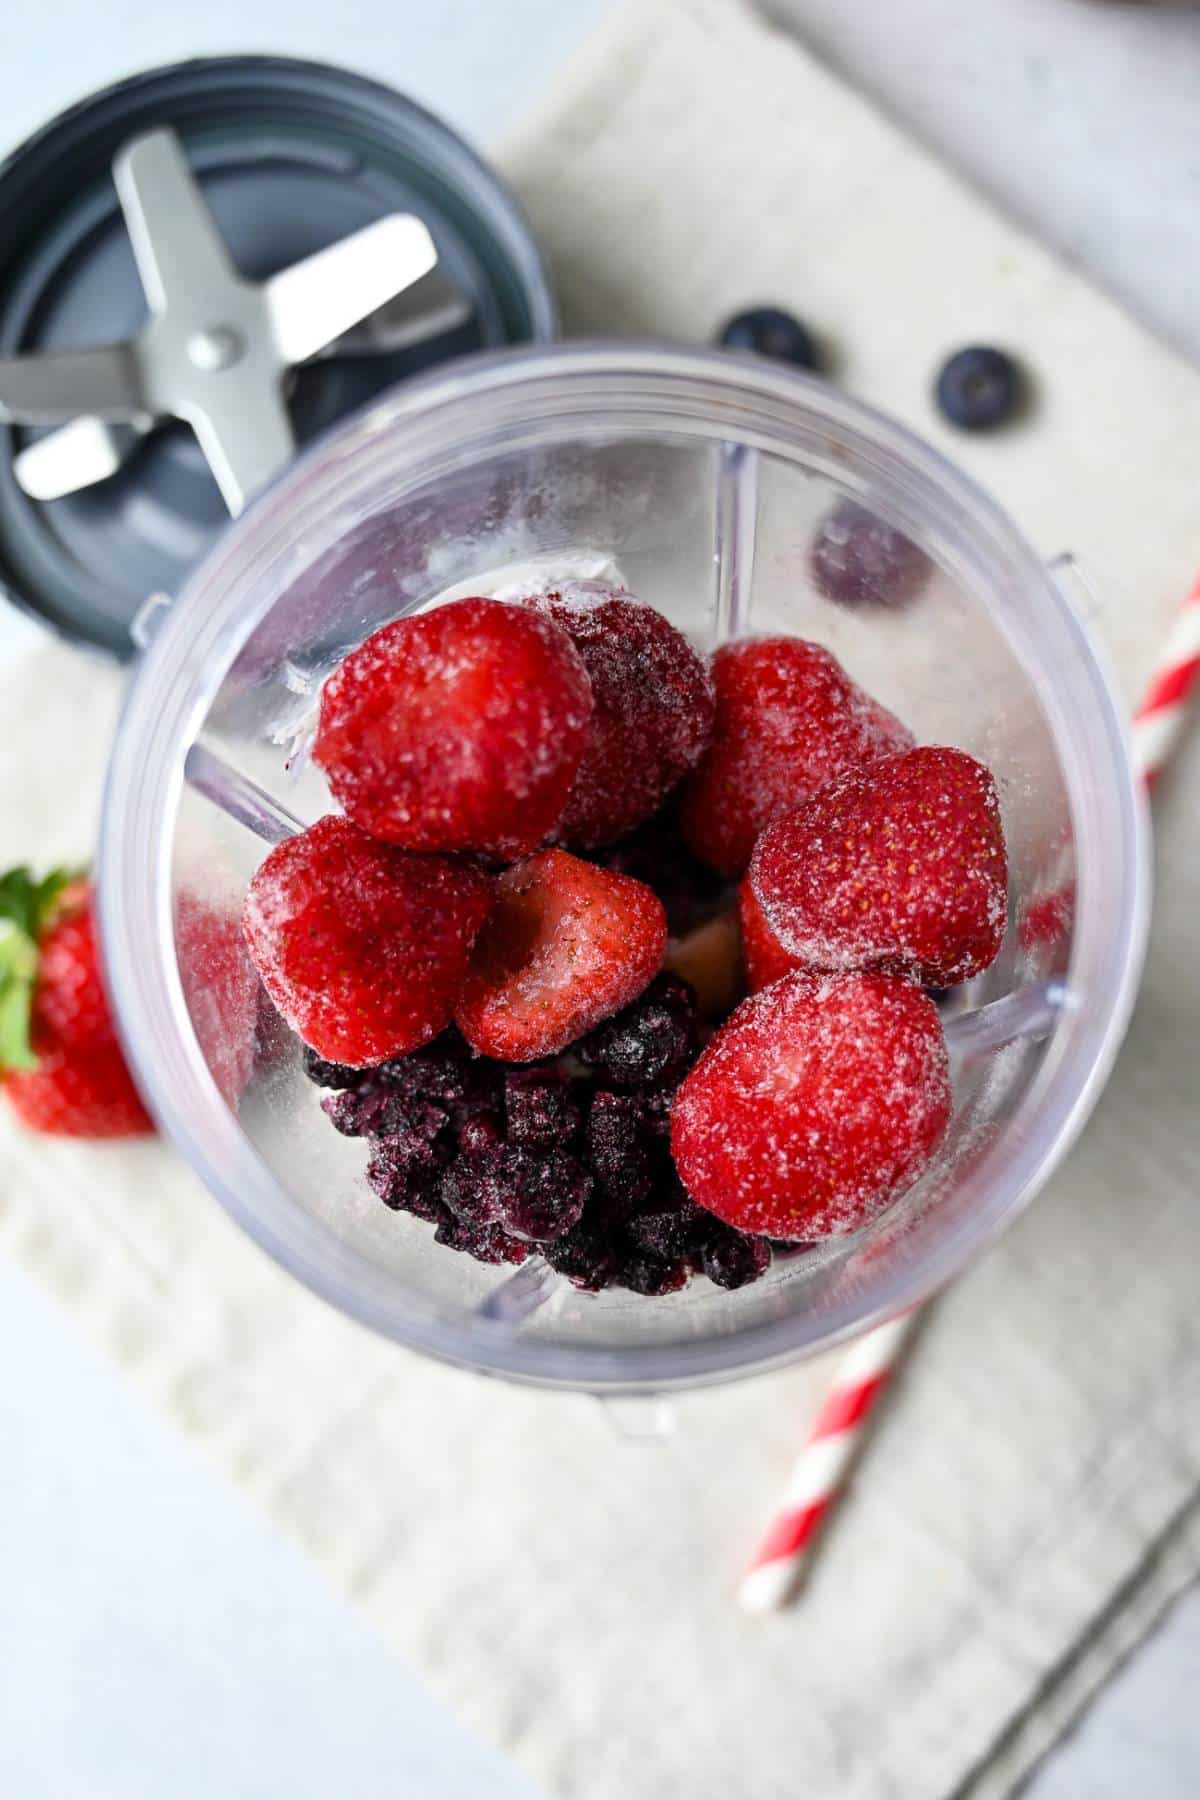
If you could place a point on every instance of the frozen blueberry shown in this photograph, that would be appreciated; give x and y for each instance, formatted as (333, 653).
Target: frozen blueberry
(486, 1243)
(623, 1150)
(543, 1192)
(769, 331)
(650, 1042)
(331, 1074)
(541, 1108)
(482, 1131)
(668, 1233)
(979, 388)
(732, 1258)
(584, 1255)
(651, 1275)
(534, 1194)
(857, 559)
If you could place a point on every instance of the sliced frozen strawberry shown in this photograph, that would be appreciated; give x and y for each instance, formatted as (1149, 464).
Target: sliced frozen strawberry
(460, 729)
(789, 719)
(653, 716)
(361, 946)
(567, 944)
(819, 1101)
(899, 865)
(764, 958)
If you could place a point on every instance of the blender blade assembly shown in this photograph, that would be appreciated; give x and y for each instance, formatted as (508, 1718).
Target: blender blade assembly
(216, 349)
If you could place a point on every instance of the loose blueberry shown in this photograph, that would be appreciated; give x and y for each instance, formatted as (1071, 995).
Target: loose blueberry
(648, 1043)
(857, 559)
(769, 331)
(979, 388)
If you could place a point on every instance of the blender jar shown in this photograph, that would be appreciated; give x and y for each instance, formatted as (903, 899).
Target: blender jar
(701, 477)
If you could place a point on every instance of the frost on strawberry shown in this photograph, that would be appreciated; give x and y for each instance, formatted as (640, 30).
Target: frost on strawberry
(567, 945)
(899, 865)
(653, 713)
(817, 1103)
(362, 946)
(763, 957)
(458, 729)
(788, 720)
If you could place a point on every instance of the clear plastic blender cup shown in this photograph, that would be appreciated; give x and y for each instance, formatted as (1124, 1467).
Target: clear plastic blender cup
(701, 477)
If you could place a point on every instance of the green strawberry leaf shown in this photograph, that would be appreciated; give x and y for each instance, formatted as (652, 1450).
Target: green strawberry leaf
(26, 907)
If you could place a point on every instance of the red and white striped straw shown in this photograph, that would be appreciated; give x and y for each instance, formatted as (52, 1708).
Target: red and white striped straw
(820, 1471)
(1159, 719)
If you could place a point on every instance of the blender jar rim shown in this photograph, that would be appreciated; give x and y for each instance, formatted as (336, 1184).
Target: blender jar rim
(585, 386)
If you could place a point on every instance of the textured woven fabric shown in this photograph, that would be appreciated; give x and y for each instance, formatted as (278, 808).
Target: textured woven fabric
(1026, 1508)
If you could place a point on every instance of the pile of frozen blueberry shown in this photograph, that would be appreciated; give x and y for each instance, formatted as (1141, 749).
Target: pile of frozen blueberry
(569, 1157)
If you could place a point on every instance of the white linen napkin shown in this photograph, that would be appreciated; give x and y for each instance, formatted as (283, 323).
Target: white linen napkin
(1032, 1499)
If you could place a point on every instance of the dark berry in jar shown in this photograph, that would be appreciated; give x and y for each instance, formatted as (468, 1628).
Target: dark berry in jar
(732, 1258)
(858, 559)
(331, 1074)
(979, 388)
(769, 331)
(650, 1042)
(541, 1108)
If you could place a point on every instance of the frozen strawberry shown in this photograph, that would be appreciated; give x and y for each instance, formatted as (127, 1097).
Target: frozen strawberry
(460, 729)
(60, 1060)
(763, 956)
(567, 944)
(899, 865)
(789, 719)
(819, 1101)
(361, 946)
(653, 710)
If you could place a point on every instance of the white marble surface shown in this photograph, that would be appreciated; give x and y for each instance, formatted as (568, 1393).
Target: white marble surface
(156, 1636)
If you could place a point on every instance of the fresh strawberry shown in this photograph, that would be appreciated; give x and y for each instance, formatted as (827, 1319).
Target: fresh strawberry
(819, 1101)
(899, 866)
(653, 716)
(362, 946)
(789, 719)
(764, 958)
(60, 1059)
(567, 944)
(221, 988)
(459, 729)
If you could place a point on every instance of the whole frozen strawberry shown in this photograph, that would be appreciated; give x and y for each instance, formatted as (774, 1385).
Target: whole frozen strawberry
(653, 710)
(788, 720)
(817, 1103)
(899, 865)
(459, 729)
(567, 944)
(362, 946)
(763, 957)
(60, 1060)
